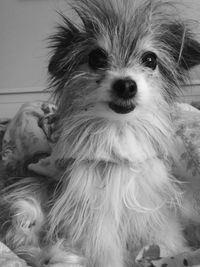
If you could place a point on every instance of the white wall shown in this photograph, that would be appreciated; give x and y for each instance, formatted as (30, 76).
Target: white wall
(24, 27)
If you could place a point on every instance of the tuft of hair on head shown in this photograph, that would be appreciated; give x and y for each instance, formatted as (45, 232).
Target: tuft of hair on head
(130, 20)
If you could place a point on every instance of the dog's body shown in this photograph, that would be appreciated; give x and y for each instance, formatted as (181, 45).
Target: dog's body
(115, 80)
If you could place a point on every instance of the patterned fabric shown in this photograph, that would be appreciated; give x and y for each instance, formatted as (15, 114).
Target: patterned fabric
(28, 138)
(150, 257)
(27, 142)
(3, 127)
(187, 122)
(9, 259)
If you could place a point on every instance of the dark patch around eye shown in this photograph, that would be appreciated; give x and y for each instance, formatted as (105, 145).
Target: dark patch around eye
(149, 60)
(98, 59)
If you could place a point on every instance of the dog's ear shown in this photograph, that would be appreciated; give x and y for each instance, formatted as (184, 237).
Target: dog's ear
(61, 44)
(191, 53)
(186, 50)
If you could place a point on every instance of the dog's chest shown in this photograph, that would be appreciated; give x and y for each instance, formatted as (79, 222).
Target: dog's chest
(132, 193)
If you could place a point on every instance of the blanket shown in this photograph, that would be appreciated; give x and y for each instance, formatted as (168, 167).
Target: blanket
(26, 148)
(9, 259)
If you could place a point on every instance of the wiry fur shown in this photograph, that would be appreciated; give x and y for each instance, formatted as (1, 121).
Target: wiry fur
(22, 217)
(117, 193)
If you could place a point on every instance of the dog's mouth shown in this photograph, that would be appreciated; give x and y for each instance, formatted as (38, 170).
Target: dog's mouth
(121, 109)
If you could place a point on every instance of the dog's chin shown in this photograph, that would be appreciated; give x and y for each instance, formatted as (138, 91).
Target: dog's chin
(121, 109)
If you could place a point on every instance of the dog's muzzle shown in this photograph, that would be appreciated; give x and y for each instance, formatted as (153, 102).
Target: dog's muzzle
(122, 109)
(123, 90)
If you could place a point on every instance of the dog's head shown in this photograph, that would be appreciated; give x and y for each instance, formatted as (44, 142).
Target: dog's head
(123, 55)
(124, 60)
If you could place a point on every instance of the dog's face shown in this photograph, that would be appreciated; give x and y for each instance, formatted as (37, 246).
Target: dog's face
(116, 75)
(126, 56)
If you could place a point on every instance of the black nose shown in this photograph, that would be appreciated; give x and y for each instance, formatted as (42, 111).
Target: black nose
(125, 88)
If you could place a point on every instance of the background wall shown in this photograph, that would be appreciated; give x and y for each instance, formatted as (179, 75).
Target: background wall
(24, 27)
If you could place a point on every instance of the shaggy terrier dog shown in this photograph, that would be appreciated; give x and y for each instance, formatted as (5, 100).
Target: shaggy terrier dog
(116, 74)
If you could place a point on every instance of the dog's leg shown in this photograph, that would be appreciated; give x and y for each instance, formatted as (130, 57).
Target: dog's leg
(25, 224)
(100, 248)
(103, 246)
(61, 255)
(22, 217)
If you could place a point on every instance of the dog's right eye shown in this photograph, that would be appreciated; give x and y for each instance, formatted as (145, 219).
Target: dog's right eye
(149, 60)
(98, 59)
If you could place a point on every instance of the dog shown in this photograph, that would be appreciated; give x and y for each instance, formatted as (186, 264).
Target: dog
(116, 74)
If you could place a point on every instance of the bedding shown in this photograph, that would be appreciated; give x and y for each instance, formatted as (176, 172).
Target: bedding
(27, 144)
(9, 259)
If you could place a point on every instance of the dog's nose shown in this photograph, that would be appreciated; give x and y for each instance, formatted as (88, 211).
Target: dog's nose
(125, 88)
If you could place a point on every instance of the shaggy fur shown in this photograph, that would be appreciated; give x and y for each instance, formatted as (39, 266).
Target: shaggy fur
(117, 193)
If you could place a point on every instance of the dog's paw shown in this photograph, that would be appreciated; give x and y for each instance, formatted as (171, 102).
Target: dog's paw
(60, 255)
(64, 260)
(61, 264)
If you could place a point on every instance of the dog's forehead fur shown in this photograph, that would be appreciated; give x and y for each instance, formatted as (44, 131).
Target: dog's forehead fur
(123, 16)
(121, 26)
(124, 28)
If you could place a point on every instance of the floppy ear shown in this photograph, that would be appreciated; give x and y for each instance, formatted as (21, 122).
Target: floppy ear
(186, 50)
(61, 43)
(191, 53)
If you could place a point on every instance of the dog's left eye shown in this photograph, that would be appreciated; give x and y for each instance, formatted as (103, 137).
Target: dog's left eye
(98, 59)
(149, 60)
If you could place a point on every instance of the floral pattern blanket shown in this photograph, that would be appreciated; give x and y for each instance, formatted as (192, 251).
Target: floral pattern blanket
(9, 259)
(26, 146)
